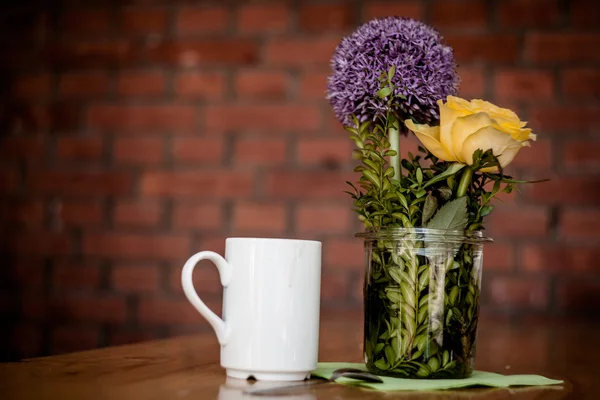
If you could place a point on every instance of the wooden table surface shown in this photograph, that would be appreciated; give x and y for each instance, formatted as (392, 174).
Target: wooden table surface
(188, 368)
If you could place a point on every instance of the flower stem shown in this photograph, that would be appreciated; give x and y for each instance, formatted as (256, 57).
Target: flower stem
(394, 138)
(465, 182)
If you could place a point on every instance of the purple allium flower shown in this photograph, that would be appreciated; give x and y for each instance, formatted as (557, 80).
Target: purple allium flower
(425, 70)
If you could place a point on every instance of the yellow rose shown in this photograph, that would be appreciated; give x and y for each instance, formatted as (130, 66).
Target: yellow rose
(466, 126)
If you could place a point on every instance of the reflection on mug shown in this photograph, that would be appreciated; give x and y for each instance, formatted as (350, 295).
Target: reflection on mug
(233, 389)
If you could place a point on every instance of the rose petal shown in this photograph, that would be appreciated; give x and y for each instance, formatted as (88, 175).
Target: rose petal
(505, 158)
(488, 138)
(429, 136)
(448, 115)
(463, 127)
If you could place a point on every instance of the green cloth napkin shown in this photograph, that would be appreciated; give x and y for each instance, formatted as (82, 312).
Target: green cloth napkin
(478, 378)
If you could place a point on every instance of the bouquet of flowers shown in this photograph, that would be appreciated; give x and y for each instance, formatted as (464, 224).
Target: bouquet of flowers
(423, 215)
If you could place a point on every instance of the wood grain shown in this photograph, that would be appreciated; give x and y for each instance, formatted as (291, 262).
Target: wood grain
(188, 368)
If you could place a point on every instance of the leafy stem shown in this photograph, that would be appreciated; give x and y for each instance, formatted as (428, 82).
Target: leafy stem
(465, 182)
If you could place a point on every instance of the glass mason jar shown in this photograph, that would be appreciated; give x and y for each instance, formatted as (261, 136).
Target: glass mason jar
(421, 299)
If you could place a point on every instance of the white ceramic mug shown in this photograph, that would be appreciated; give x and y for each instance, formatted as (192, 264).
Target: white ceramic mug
(271, 299)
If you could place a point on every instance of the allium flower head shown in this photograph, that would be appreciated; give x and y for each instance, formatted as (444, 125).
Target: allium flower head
(425, 70)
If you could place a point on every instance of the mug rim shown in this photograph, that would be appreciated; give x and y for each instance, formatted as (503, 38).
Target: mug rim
(273, 239)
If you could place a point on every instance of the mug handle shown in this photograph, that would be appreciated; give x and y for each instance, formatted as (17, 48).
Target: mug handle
(222, 330)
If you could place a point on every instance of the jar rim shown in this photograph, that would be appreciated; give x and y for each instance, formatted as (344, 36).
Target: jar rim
(427, 234)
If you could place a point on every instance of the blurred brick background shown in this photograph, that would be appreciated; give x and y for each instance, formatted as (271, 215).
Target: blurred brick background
(134, 134)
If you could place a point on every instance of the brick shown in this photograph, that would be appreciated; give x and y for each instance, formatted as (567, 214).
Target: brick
(567, 119)
(203, 85)
(79, 213)
(325, 17)
(581, 154)
(256, 84)
(28, 339)
(136, 246)
(85, 22)
(131, 213)
(498, 257)
(346, 254)
(584, 13)
(139, 151)
(334, 286)
(28, 212)
(108, 310)
(22, 148)
(91, 54)
(141, 83)
(566, 190)
(538, 156)
(23, 273)
(579, 224)
(273, 117)
(76, 275)
(8, 180)
(93, 183)
(67, 339)
(33, 86)
(194, 53)
(563, 258)
(55, 117)
(323, 218)
(213, 242)
(135, 278)
(459, 14)
(209, 19)
(493, 48)
(259, 218)
(579, 83)
(205, 278)
(197, 216)
(263, 18)
(378, 9)
(79, 148)
(144, 21)
(300, 53)
(524, 85)
(84, 84)
(193, 150)
(36, 243)
(518, 291)
(327, 152)
(562, 47)
(528, 13)
(313, 85)
(472, 81)
(260, 151)
(311, 184)
(578, 295)
(213, 184)
(519, 221)
(154, 311)
(146, 118)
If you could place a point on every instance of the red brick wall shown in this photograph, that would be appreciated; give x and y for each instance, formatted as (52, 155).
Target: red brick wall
(133, 136)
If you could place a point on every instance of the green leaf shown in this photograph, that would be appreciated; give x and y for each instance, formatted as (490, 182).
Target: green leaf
(485, 210)
(452, 216)
(374, 179)
(382, 365)
(370, 164)
(390, 74)
(429, 208)
(419, 176)
(452, 169)
(384, 92)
